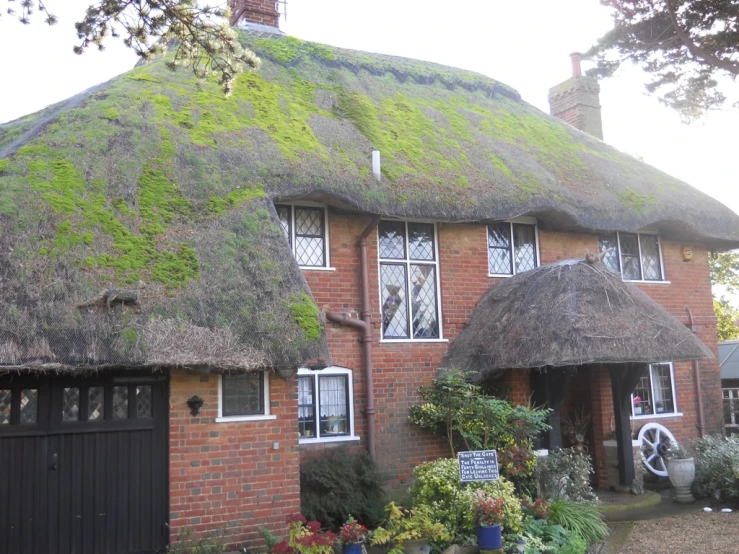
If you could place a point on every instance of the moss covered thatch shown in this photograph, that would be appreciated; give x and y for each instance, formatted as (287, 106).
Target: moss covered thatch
(568, 313)
(152, 179)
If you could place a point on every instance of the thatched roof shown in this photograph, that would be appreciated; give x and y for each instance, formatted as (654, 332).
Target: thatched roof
(568, 313)
(150, 178)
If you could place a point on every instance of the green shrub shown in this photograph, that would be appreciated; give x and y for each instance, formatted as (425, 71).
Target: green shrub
(341, 484)
(542, 536)
(717, 467)
(436, 485)
(184, 543)
(581, 518)
(565, 475)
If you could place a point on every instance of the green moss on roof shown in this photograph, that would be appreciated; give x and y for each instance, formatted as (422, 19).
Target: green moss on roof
(307, 316)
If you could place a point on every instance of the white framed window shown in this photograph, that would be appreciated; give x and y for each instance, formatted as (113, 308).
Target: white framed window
(731, 410)
(512, 248)
(326, 405)
(654, 394)
(306, 229)
(410, 301)
(636, 256)
(243, 397)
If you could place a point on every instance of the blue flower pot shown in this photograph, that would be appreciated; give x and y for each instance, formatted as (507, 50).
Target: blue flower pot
(489, 537)
(353, 548)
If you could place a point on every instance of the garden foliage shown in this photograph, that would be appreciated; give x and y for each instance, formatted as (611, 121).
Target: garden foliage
(717, 467)
(335, 486)
(565, 475)
(582, 518)
(542, 536)
(186, 543)
(403, 525)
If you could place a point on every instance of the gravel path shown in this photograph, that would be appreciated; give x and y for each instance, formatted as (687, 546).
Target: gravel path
(693, 533)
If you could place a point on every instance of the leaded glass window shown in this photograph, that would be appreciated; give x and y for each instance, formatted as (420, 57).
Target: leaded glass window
(95, 404)
(409, 288)
(636, 256)
(120, 402)
(306, 407)
(6, 396)
(325, 404)
(654, 393)
(243, 395)
(143, 401)
(29, 406)
(71, 404)
(731, 410)
(305, 229)
(512, 248)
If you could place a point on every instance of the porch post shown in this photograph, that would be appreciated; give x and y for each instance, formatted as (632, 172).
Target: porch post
(623, 380)
(557, 384)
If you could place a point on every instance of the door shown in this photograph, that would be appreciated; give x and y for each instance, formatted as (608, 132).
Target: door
(83, 464)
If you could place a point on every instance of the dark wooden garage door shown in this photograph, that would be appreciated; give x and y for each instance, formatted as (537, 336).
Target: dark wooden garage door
(83, 465)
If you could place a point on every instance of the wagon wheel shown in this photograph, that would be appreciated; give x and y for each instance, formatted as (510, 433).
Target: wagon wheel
(654, 440)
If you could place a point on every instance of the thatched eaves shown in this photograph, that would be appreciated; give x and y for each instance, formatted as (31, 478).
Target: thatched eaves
(568, 313)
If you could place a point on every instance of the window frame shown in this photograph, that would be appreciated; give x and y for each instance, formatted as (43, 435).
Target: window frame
(407, 262)
(315, 376)
(291, 239)
(639, 234)
(733, 398)
(675, 408)
(220, 418)
(511, 223)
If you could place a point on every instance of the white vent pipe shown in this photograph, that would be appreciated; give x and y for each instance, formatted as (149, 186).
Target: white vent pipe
(376, 169)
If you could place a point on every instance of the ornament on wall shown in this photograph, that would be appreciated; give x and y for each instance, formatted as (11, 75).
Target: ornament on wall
(194, 403)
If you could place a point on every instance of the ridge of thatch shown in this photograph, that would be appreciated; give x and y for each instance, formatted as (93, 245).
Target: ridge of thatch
(568, 313)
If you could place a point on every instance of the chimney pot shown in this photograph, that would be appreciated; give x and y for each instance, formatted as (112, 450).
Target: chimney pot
(577, 101)
(576, 57)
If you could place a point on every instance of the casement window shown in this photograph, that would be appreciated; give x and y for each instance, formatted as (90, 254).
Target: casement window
(409, 281)
(512, 248)
(654, 394)
(731, 410)
(636, 256)
(243, 397)
(325, 405)
(305, 229)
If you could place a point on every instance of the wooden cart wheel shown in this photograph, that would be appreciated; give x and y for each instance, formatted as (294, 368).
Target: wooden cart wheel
(654, 440)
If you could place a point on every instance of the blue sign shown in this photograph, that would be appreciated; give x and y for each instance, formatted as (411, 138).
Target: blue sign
(481, 465)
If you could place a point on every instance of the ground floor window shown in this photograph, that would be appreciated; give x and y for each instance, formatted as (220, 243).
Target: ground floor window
(655, 392)
(243, 396)
(731, 411)
(325, 405)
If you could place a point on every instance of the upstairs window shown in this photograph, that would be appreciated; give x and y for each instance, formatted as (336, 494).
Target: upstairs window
(512, 248)
(636, 256)
(655, 392)
(409, 287)
(305, 229)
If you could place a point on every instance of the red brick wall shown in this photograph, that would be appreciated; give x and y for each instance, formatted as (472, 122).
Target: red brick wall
(254, 11)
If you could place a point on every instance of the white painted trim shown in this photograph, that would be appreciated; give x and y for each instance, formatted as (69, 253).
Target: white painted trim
(400, 341)
(613, 443)
(524, 220)
(676, 412)
(656, 416)
(313, 268)
(662, 281)
(325, 440)
(328, 372)
(326, 234)
(256, 417)
(643, 282)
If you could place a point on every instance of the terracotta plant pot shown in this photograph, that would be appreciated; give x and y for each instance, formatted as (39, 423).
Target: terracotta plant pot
(681, 472)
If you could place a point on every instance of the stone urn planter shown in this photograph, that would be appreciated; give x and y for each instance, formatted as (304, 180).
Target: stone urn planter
(681, 472)
(418, 546)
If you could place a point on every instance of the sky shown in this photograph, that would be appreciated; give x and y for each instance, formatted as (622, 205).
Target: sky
(523, 44)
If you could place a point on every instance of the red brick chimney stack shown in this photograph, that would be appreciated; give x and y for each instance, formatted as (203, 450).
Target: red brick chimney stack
(577, 100)
(261, 12)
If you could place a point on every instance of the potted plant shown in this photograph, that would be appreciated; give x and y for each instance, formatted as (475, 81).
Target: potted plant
(352, 535)
(681, 471)
(489, 515)
(408, 531)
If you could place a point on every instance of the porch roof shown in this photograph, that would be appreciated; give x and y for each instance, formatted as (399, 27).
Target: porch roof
(568, 313)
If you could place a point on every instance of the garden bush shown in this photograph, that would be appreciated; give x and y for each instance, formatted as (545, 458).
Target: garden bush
(542, 536)
(582, 518)
(565, 475)
(436, 485)
(717, 467)
(341, 484)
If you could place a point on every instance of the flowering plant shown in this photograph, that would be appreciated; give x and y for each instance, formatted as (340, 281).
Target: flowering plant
(539, 509)
(489, 510)
(306, 537)
(404, 525)
(352, 531)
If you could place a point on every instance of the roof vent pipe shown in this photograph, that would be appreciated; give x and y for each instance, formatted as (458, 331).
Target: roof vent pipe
(376, 169)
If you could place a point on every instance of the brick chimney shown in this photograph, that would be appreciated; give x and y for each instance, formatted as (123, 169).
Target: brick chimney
(577, 100)
(259, 12)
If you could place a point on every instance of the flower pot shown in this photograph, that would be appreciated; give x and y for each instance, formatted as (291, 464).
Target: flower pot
(682, 474)
(352, 548)
(489, 537)
(419, 546)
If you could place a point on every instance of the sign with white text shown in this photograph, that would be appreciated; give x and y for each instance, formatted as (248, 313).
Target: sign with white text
(478, 466)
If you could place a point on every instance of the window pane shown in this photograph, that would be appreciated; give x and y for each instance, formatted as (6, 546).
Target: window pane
(283, 212)
(650, 257)
(120, 402)
(29, 406)
(421, 241)
(663, 396)
(333, 405)
(143, 401)
(609, 242)
(394, 308)
(423, 301)
(309, 236)
(243, 394)
(309, 251)
(392, 240)
(71, 404)
(5, 401)
(95, 406)
(524, 247)
(499, 247)
(306, 409)
(642, 395)
(630, 256)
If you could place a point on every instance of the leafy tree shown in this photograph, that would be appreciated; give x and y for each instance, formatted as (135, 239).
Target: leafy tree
(202, 35)
(725, 272)
(683, 44)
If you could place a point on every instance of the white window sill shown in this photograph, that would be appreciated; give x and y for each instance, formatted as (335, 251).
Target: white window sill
(311, 268)
(402, 341)
(348, 438)
(235, 419)
(657, 416)
(497, 275)
(647, 282)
